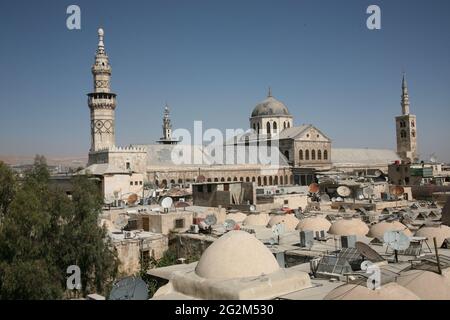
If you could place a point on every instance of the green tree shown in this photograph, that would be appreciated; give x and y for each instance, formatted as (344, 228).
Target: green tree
(7, 188)
(44, 232)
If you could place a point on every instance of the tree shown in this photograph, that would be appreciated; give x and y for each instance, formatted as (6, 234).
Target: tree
(7, 184)
(44, 232)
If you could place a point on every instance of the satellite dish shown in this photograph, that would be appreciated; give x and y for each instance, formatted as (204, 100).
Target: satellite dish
(344, 191)
(166, 202)
(314, 188)
(339, 199)
(121, 222)
(210, 220)
(278, 229)
(367, 252)
(378, 173)
(229, 224)
(368, 192)
(397, 191)
(397, 240)
(132, 198)
(252, 208)
(130, 288)
(325, 198)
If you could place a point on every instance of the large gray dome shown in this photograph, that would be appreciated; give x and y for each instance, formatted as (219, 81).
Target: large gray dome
(270, 107)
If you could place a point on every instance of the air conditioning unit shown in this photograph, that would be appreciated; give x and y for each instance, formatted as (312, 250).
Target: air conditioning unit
(306, 238)
(194, 228)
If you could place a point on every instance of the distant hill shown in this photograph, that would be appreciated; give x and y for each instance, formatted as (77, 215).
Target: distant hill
(70, 162)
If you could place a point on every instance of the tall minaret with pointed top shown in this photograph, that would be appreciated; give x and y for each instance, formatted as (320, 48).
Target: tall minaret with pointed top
(167, 128)
(102, 102)
(406, 129)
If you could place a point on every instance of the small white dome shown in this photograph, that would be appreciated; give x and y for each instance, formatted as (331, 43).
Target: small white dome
(290, 222)
(236, 254)
(349, 227)
(314, 224)
(260, 219)
(425, 284)
(390, 291)
(101, 32)
(440, 232)
(378, 230)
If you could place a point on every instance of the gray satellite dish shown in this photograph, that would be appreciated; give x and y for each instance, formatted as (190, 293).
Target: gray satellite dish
(121, 221)
(229, 224)
(278, 229)
(129, 288)
(367, 252)
(324, 198)
(166, 202)
(344, 191)
(397, 240)
(210, 220)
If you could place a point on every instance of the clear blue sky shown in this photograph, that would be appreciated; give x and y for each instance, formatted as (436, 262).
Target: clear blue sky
(213, 61)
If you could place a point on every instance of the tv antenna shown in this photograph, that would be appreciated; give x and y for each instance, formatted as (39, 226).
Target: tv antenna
(129, 288)
(277, 231)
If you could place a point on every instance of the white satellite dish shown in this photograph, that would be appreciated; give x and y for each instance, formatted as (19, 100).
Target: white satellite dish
(278, 229)
(339, 199)
(166, 202)
(252, 208)
(210, 220)
(397, 240)
(229, 224)
(344, 191)
(121, 222)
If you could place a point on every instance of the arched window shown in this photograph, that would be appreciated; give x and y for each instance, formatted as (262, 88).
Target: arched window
(180, 181)
(254, 126)
(288, 125)
(265, 181)
(275, 180)
(222, 179)
(268, 127)
(281, 180)
(241, 179)
(253, 179)
(257, 128)
(270, 181)
(307, 155)
(228, 179)
(284, 125)
(259, 181)
(247, 179)
(216, 180)
(319, 154)
(274, 127)
(413, 133)
(313, 154)
(403, 134)
(325, 155)
(413, 124)
(209, 180)
(286, 154)
(235, 179)
(300, 154)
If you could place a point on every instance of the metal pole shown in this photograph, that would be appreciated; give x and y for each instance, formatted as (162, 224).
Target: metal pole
(437, 255)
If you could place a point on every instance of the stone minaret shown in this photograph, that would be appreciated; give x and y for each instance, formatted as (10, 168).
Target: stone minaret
(167, 128)
(102, 102)
(406, 129)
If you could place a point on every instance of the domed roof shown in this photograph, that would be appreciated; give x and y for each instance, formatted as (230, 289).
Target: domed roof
(236, 254)
(260, 219)
(378, 230)
(270, 107)
(290, 222)
(425, 284)
(349, 227)
(440, 232)
(390, 291)
(314, 224)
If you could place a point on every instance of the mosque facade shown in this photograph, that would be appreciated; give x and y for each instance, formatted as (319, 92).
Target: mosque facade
(302, 150)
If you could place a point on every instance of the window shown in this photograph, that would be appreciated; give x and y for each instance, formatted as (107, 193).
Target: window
(136, 183)
(325, 155)
(131, 183)
(286, 154)
(313, 154)
(413, 124)
(413, 133)
(307, 155)
(268, 127)
(274, 126)
(128, 165)
(140, 183)
(319, 154)
(226, 187)
(300, 154)
(179, 223)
